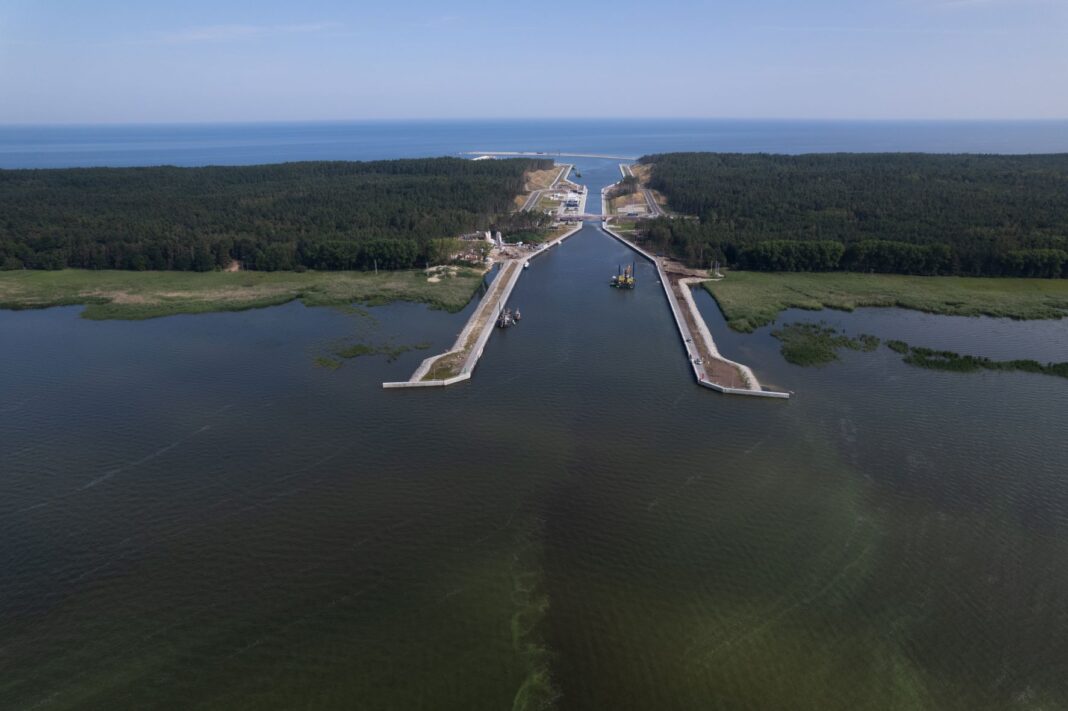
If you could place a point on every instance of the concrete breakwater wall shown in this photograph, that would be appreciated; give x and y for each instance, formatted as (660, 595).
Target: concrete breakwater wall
(754, 388)
(483, 320)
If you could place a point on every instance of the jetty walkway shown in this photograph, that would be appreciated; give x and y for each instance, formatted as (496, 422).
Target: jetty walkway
(458, 363)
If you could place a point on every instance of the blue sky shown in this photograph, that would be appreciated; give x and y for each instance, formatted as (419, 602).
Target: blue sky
(221, 60)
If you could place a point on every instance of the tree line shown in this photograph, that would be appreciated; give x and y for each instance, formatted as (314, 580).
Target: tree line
(627, 186)
(982, 215)
(318, 215)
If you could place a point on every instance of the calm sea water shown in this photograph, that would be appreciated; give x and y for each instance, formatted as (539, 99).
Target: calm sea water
(195, 516)
(235, 144)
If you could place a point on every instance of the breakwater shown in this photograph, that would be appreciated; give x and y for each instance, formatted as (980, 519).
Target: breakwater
(710, 368)
(458, 363)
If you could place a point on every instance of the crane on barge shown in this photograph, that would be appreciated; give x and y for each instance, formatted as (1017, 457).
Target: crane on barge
(624, 278)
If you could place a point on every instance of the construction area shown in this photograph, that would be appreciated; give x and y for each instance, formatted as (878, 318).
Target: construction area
(457, 364)
(630, 198)
(553, 194)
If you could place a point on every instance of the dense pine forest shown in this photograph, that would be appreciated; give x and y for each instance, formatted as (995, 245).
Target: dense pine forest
(982, 215)
(318, 215)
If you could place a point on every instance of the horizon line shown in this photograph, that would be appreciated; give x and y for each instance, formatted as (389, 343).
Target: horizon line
(772, 119)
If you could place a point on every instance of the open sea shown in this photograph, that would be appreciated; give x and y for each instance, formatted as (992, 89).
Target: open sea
(194, 516)
(242, 144)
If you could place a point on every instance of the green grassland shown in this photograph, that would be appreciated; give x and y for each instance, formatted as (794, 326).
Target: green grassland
(141, 295)
(750, 300)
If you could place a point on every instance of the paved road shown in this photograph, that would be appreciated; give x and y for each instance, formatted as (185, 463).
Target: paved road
(532, 200)
(650, 201)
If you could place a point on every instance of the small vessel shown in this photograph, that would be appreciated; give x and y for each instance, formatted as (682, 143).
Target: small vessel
(505, 319)
(624, 278)
(526, 265)
(516, 316)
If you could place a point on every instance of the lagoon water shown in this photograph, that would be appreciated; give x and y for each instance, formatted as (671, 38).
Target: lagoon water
(193, 515)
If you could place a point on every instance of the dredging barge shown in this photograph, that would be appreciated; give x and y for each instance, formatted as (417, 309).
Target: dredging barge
(624, 278)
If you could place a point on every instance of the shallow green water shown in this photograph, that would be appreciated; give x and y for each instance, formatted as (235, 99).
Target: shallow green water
(195, 516)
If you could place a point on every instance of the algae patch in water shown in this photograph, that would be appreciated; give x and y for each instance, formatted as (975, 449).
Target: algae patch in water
(392, 352)
(538, 689)
(357, 350)
(818, 343)
(336, 356)
(958, 363)
(328, 363)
